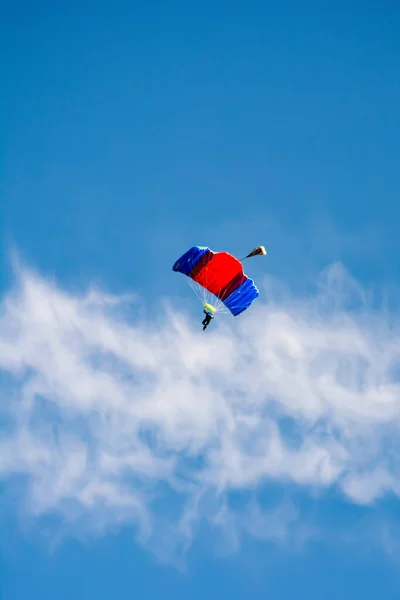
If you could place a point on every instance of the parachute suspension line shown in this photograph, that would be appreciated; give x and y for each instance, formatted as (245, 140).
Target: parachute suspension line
(196, 288)
(205, 297)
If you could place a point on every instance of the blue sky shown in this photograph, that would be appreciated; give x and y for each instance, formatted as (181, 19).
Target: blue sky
(140, 456)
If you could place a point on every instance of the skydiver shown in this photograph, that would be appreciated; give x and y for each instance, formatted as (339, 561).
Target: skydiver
(207, 319)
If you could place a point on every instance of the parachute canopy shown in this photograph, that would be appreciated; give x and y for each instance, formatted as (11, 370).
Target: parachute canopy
(221, 274)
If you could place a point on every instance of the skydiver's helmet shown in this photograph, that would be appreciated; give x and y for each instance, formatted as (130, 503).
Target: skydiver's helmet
(209, 310)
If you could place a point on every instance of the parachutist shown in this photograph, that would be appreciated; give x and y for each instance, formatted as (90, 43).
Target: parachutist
(207, 319)
(209, 311)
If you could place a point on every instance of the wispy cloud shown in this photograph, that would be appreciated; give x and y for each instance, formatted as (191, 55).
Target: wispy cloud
(110, 420)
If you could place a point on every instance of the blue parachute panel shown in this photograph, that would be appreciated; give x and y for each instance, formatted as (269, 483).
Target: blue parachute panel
(187, 261)
(242, 297)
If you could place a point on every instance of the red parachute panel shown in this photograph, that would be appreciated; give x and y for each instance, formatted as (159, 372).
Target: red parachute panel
(217, 272)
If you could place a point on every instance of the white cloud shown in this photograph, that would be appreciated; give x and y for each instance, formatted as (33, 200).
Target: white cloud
(117, 421)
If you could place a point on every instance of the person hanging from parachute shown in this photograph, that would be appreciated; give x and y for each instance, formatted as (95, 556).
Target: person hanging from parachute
(220, 276)
(209, 312)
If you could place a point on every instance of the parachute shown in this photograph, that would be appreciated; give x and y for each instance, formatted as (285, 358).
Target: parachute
(218, 278)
